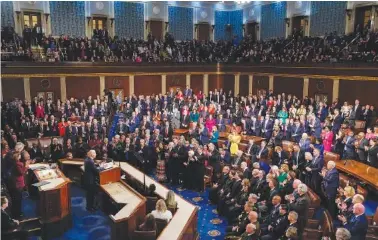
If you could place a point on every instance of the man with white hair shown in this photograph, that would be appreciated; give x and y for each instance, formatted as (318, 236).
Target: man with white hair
(89, 177)
(304, 143)
(330, 185)
(250, 233)
(358, 224)
(301, 206)
(343, 234)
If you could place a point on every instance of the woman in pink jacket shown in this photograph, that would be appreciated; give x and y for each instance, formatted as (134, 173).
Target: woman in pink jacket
(327, 139)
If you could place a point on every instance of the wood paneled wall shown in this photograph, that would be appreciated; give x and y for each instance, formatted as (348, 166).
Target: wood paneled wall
(176, 81)
(203, 31)
(365, 91)
(118, 82)
(321, 86)
(156, 28)
(36, 85)
(293, 86)
(13, 88)
(260, 82)
(225, 81)
(244, 85)
(196, 83)
(83, 87)
(147, 85)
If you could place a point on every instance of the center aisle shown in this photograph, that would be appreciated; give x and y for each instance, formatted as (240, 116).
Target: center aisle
(210, 225)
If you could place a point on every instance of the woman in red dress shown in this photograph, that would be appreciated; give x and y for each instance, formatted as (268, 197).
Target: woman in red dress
(40, 111)
(327, 139)
(62, 127)
(210, 123)
(200, 95)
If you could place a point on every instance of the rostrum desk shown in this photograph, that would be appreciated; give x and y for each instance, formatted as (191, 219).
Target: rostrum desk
(124, 205)
(54, 201)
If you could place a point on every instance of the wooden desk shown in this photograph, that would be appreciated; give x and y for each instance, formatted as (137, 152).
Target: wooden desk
(54, 200)
(360, 171)
(124, 222)
(183, 225)
(244, 138)
(180, 131)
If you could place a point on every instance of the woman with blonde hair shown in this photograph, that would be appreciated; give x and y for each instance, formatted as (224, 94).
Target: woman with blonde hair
(283, 174)
(346, 200)
(170, 200)
(161, 211)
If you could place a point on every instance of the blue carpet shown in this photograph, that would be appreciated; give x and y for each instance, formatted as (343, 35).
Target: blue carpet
(85, 225)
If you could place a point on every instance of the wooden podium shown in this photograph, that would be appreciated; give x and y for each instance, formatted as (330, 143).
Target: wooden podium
(54, 202)
(124, 205)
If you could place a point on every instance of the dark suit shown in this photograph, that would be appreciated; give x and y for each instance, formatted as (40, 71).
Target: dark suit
(330, 185)
(361, 154)
(301, 206)
(357, 227)
(316, 167)
(279, 228)
(349, 148)
(90, 180)
(372, 156)
(278, 159)
(7, 222)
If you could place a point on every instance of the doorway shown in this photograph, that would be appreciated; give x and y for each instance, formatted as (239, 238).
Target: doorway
(298, 25)
(363, 18)
(31, 19)
(252, 30)
(99, 23)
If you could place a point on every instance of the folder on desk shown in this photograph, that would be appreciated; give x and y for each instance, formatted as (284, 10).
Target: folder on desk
(41, 183)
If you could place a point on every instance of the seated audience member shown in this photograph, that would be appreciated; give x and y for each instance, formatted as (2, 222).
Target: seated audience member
(250, 233)
(357, 224)
(343, 234)
(277, 227)
(161, 211)
(149, 223)
(291, 233)
(170, 200)
(7, 222)
(237, 228)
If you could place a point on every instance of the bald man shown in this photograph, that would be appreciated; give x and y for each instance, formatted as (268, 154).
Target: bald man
(89, 177)
(358, 224)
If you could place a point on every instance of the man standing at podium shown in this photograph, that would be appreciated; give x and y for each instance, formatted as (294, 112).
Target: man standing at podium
(90, 174)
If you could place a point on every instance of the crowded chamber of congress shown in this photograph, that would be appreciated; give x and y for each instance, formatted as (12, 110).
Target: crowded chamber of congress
(243, 120)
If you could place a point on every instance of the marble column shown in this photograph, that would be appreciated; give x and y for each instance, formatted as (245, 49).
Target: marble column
(102, 86)
(335, 89)
(27, 88)
(237, 84)
(271, 82)
(250, 84)
(206, 84)
(163, 84)
(63, 89)
(131, 85)
(306, 82)
(187, 83)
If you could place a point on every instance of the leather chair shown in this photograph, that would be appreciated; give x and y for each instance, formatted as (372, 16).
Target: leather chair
(373, 228)
(314, 199)
(160, 225)
(28, 228)
(151, 204)
(208, 176)
(317, 229)
(172, 210)
(344, 179)
(286, 145)
(330, 156)
(143, 235)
